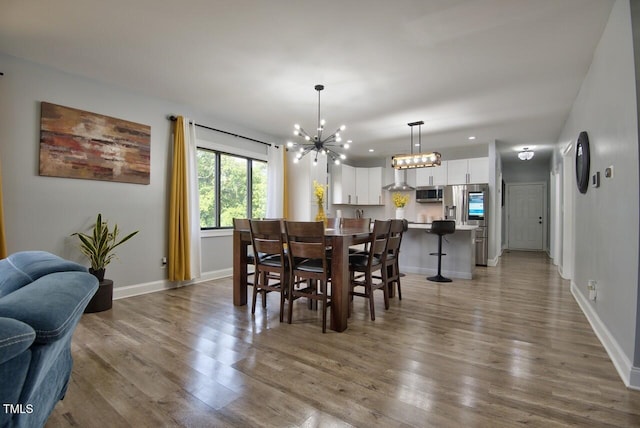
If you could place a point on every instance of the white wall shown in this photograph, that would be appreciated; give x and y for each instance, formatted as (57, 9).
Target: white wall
(41, 212)
(605, 220)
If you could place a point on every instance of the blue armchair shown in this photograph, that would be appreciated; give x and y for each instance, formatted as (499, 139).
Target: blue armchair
(42, 298)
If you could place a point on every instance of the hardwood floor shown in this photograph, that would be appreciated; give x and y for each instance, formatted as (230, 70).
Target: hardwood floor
(509, 348)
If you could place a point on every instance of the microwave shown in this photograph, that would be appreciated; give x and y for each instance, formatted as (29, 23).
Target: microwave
(429, 194)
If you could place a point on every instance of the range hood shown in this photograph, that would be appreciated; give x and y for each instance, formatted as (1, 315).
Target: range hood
(399, 181)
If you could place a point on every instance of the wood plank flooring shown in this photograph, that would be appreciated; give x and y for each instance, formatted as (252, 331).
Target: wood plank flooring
(509, 348)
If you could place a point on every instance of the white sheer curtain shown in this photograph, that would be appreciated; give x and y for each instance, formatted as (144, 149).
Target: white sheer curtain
(194, 198)
(275, 182)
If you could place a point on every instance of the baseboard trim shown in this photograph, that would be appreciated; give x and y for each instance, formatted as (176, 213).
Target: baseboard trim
(630, 375)
(165, 284)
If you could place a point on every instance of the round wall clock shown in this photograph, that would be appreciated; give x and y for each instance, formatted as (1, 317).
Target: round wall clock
(582, 162)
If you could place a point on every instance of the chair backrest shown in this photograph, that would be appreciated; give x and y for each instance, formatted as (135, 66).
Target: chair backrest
(356, 223)
(378, 242)
(241, 223)
(443, 227)
(395, 237)
(333, 222)
(266, 238)
(305, 239)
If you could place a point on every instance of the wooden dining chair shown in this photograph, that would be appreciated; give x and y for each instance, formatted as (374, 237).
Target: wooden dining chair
(243, 224)
(271, 263)
(367, 264)
(391, 269)
(357, 223)
(363, 222)
(333, 222)
(308, 261)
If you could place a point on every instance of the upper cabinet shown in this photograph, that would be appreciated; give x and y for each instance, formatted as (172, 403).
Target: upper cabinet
(343, 184)
(433, 176)
(468, 171)
(369, 192)
(356, 186)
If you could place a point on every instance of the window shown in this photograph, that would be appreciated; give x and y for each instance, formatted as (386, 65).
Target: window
(230, 186)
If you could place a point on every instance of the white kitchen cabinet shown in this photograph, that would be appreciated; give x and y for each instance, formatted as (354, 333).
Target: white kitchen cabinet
(432, 176)
(479, 170)
(362, 186)
(375, 186)
(466, 171)
(356, 186)
(343, 184)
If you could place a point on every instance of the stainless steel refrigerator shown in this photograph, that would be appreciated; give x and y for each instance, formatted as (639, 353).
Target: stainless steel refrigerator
(469, 204)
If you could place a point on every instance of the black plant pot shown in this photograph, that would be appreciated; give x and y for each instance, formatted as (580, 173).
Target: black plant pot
(103, 299)
(98, 273)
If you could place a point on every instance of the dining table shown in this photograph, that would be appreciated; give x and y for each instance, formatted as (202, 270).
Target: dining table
(339, 239)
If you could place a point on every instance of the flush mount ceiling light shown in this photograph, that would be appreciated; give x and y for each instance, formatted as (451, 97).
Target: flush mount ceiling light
(525, 154)
(318, 143)
(417, 160)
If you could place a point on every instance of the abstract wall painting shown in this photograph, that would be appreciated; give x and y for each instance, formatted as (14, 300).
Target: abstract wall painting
(79, 144)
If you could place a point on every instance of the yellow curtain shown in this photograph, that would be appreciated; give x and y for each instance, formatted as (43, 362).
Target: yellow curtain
(285, 185)
(3, 245)
(179, 246)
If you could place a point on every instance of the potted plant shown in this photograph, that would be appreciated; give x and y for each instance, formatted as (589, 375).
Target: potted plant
(400, 201)
(98, 246)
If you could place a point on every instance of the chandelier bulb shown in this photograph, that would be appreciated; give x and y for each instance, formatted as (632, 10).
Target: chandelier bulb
(343, 127)
(318, 143)
(337, 161)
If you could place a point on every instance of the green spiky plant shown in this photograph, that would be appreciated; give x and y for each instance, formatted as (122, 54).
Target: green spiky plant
(99, 245)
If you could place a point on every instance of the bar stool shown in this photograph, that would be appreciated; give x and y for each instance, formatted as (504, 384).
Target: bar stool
(441, 228)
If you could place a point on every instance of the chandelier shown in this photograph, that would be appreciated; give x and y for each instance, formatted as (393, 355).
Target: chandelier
(318, 143)
(418, 160)
(526, 154)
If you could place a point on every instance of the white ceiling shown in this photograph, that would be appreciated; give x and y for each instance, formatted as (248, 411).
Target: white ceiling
(504, 70)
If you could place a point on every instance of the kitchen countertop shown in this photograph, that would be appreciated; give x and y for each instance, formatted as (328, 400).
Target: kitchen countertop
(427, 226)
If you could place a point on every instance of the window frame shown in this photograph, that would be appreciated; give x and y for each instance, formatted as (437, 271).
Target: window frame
(219, 150)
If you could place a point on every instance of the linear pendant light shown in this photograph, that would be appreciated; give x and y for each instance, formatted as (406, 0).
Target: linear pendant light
(417, 160)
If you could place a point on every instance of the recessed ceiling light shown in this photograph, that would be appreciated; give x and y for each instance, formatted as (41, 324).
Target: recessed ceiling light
(370, 150)
(472, 137)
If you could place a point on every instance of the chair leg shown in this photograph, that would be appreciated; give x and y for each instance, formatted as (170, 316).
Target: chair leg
(323, 288)
(265, 281)
(256, 286)
(291, 285)
(384, 273)
(385, 291)
(369, 292)
(396, 267)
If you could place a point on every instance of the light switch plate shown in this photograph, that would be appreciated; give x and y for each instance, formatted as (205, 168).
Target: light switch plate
(595, 179)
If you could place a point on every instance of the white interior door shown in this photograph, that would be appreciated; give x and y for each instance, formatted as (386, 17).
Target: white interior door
(526, 216)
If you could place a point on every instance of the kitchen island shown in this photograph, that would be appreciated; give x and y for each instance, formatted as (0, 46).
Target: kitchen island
(418, 242)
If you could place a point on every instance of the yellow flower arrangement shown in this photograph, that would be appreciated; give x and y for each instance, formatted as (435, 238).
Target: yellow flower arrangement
(319, 191)
(400, 200)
